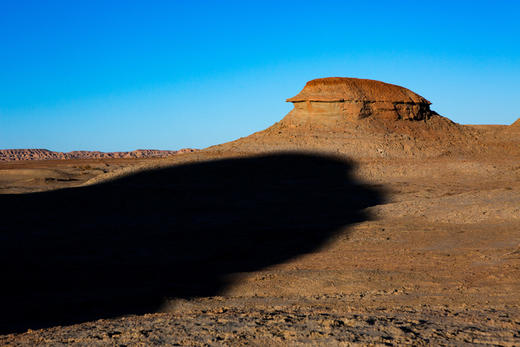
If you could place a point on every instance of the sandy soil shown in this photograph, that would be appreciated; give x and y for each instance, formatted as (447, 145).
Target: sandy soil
(437, 263)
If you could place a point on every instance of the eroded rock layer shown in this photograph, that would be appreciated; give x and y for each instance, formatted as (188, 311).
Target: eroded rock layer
(333, 100)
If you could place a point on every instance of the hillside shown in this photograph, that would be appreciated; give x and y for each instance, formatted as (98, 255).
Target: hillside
(367, 119)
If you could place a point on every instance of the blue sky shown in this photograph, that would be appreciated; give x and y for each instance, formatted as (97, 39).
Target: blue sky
(121, 75)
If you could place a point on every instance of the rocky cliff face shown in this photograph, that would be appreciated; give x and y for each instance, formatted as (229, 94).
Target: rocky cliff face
(335, 100)
(45, 154)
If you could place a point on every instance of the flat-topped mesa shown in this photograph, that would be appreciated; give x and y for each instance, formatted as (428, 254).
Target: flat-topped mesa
(340, 99)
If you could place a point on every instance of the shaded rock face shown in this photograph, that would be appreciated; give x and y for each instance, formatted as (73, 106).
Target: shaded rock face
(336, 99)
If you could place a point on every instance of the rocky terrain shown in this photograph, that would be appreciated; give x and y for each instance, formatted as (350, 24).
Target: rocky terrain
(45, 154)
(361, 218)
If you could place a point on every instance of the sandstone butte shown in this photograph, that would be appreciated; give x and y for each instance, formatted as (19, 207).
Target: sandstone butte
(365, 118)
(355, 98)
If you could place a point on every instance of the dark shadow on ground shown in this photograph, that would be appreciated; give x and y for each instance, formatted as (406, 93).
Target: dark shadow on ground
(124, 246)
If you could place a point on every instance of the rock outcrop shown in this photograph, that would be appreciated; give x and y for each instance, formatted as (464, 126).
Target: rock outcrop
(516, 124)
(334, 100)
(362, 118)
(45, 154)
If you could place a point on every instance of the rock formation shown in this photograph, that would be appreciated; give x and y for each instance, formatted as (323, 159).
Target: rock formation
(45, 154)
(334, 100)
(362, 119)
(516, 124)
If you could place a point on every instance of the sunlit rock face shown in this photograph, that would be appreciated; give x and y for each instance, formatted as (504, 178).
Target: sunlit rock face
(334, 100)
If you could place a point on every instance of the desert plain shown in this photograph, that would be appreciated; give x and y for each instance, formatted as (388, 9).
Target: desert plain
(363, 217)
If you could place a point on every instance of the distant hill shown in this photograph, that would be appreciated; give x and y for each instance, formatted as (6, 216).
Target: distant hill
(45, 154)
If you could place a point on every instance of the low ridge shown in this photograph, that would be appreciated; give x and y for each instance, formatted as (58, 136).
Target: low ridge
(45, 154)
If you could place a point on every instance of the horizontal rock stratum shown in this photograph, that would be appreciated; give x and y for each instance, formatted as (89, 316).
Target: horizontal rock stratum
(355, 98)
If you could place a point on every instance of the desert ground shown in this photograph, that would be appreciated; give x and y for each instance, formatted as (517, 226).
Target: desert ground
(361, 218)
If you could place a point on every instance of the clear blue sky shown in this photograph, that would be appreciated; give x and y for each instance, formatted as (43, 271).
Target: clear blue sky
(121, 75)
